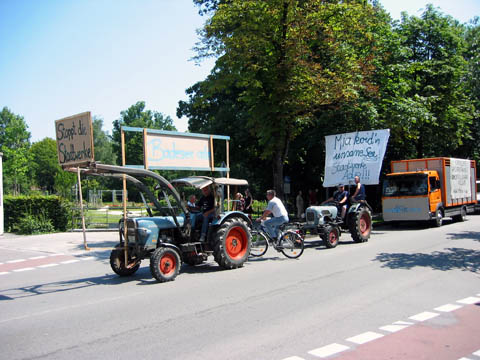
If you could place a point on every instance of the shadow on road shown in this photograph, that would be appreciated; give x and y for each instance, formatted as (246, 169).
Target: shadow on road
(470, 235)
(143, 274)
(452, 258)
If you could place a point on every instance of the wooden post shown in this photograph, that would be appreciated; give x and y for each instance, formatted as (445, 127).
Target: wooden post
(81, 210)
(125, 232)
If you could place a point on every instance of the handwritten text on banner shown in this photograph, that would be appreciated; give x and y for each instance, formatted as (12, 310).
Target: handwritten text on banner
(355, 154)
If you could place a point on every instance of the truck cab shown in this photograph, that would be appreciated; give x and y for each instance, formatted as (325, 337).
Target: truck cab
(412, 195)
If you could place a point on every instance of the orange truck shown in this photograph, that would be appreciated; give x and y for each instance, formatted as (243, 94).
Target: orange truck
(429, 190)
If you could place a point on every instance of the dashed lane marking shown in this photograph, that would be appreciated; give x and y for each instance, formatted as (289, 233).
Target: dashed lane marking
(365, 337)
(24, 269)
(4, 272)
(69, 261)
(393, 328)
(469, 300)
(16, 261)
(448, 308)
(477, 353)
(47, 265)
(294, 358)
(37, 257)
(424, 316)
(329, 350)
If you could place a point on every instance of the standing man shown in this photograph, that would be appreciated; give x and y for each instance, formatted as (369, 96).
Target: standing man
(359, 193)
(280, 214)
(299, 203)
(207, 207)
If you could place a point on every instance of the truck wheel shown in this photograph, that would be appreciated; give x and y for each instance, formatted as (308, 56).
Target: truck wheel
(360, 225)
(232, 243)
(438, 221)
(165, 264)
(331, 236)
(117, 262)
(463, 215)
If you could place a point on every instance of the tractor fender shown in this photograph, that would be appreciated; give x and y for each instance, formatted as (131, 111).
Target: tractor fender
(355, 206)
(229, 214)
(171, 246)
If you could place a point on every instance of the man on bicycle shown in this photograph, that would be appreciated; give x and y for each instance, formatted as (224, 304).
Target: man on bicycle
(279, 215)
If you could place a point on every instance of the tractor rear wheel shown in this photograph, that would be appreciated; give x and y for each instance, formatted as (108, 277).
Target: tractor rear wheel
(360, 224)
(117, 262)
(232, 243)
(165, 264)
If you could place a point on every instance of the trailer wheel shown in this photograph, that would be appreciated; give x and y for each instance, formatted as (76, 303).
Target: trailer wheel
(463, 215)
(331, 236)
(165, 264)
(438, 221)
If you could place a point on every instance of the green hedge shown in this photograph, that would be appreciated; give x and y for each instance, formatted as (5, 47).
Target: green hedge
(39, 209)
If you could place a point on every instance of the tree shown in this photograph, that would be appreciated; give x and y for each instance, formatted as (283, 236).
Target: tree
(102, 143)
(291, 59)
(137, 116)
(14, 144)
(424, 99)
(44, 162)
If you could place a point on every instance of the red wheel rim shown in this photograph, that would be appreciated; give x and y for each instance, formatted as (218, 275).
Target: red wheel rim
(332, 237)
(364, 224)
(168, 263)
(236, 243)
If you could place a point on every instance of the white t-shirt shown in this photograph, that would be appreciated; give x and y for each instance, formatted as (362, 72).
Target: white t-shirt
(276, 207)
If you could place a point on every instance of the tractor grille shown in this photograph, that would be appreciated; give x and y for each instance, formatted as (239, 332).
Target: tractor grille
(310, 216)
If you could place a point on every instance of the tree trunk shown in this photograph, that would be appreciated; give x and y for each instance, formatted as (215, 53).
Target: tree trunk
(278, 174)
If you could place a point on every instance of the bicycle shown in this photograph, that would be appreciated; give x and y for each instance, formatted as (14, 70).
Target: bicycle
(290, 243)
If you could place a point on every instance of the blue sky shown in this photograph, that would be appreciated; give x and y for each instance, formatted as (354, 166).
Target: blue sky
(63, 57)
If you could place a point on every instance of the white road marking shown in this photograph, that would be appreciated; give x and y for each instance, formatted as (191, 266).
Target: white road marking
(15, 261)
(402, 323)
(37, 257)
(464, 358)
(47, 265)
(23, 269)
(393, 328)
(294, 358)
(4, 273)
(448, 308)
(424, 316)
(69, 261)
(469, 300)
(85, 258)
(328, 350)
(58, 254)
(477, 353)
(365, 337)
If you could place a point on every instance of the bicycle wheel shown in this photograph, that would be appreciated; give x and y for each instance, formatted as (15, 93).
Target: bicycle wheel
(292, 244)
(259, 244)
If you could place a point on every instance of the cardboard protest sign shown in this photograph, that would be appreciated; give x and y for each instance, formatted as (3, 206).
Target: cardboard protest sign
(74, 136)
(355, 154)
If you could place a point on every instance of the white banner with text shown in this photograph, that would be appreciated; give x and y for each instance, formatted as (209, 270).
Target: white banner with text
(355, 154)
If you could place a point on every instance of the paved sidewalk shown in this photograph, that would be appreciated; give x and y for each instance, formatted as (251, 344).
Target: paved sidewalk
(68, 243)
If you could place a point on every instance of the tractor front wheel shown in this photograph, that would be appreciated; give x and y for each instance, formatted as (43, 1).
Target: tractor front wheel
(330, 236)
(117, 262)
(165, 264)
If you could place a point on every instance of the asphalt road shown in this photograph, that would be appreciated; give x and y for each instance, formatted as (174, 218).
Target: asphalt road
(59, 302)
